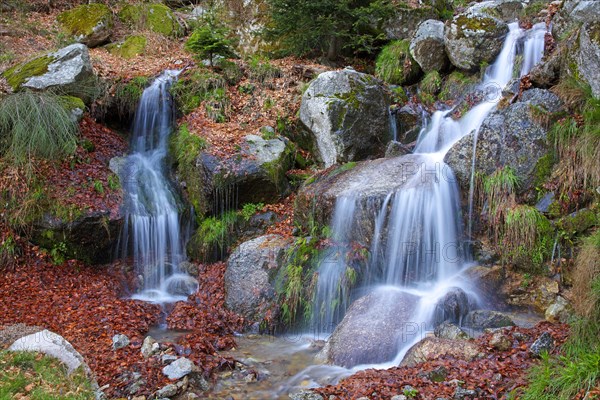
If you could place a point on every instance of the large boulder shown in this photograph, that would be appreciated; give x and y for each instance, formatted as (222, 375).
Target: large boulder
(505, 10)
(472, 39)
(432, 348)
(65, 70)
(250, 276)
(90, 24)
(405, 21)
(373, 330)
(588, 56)
(154, 17)
(452, 306)
(427, 46)
(514, 137)
(347, 116)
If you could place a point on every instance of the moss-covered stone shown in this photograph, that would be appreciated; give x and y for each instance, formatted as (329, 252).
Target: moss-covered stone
(543, 169)
(131, 47)
(19, 74)
(155, 17)
(466, 23)
(578, 222)
(89, 23)
(71, 103)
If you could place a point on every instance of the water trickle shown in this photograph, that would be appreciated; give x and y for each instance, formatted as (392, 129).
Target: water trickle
(152, 234)
(393, 126)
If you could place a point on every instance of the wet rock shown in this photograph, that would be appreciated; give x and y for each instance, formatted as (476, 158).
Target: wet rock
(167, 391)
(347, 116)
(505, 10)
(149, 347)
(545, 202)
(189, 268)
(452, 307)
(427, 46)
(500, 340)
(559, 311)
(409, 121)
(483, 319)
(250, 275)
(372, 330)
(306, 395)
(179, 368)
(431, 348)
(53, 345)
(542, 344)
(447, 330)
(119, 341)
(473, 38)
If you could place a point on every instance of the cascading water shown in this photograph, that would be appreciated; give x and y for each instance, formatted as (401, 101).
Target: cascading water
(417, 244)
(152, 234)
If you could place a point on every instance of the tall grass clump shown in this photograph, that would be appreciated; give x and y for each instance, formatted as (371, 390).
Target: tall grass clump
(395, 65)
(35, 125)
(497, 193)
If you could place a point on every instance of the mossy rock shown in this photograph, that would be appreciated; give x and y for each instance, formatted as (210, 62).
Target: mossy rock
(74, 106)
(90, 24)
(578, 222)
(19, 74)
(396, 65)
(131, 47)
(154, 17)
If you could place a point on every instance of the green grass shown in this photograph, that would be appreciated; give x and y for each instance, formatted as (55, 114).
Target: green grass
(35, 125)
(202, 85)
(431, 83)
(261, 70)
(128, 94)
(395, 65)
(38, 377)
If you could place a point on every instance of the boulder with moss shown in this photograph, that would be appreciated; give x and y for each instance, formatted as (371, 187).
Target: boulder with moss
(90, 24)
(427, 46)
(505, 10)
(347, 116)
(131, 47)
(74, 106)
(151, 16)
(472, 39)
(515, 136)
(67, 70)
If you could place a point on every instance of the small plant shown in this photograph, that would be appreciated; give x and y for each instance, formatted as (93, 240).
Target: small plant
(268, 104)
(98, 186)
(9, 250)
(526, 280)
(247, 88)
(249, 209)
(410, 392)
(431, 83)
(198, 86)
(128, 94)
(261, 70)
(208, 41)
(113, 182)
(58, 253)
(395, 65)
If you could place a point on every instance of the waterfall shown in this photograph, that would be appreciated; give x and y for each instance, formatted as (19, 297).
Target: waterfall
(152, 233)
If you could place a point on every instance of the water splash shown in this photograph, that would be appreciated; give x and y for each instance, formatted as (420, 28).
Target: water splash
(152, 234)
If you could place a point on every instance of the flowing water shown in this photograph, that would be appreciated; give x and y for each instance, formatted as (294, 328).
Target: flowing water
(153, 234)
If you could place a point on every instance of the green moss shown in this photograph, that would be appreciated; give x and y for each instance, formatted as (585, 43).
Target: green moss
(201, 85)
(395, 65)
(543, 169)
(474, 23)
(131, 47)
(128, 94)
(19, 74)
(431, 83)
(578, 222)
(71, 103)
(214, 235)
(154, 17)
(82, 20)
(455, 85)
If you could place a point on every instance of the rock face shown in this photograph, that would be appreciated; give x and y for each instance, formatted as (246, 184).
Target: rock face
(250, 275)
(513, 136)
(575, 12)
(374, 328)
(65, 70)
(473, 38)
(53, 345)
(588, 56)
(405, 21)
(89, 24)
(154, 17)
(427, 46)
(431, 348)
(347, 116)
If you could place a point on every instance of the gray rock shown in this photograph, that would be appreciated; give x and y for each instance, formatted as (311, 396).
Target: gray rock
(545, 202)
(119, 341)
(452, 307)
(179, 368)
(427, 46)
(462, 393)
(409, 121)
(588, 56)
(544, 343)
(70, 67)
(396, 149)
(347, 116)
(447, 330)
(431, 348)
(473, 38)
(438, 374)
(102, 18)
(512, 137)
(500, 340)
(405, 21)
(506, 10)
(250, 275)
(53, 345)
(373, 329)
(167, 391)
(559, 311)
(399, 397)
(573, 13)
(306, 395)
(149, 347)
(168, 358)
(483, 319)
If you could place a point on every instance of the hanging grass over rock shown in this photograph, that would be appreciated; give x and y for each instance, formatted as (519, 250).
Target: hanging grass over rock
(128, 94)
(497, 194)
(587, 271)
(395, 65)
(35, 125)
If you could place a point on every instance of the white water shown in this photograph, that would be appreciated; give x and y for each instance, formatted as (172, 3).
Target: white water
(417, 244)
(152, 234)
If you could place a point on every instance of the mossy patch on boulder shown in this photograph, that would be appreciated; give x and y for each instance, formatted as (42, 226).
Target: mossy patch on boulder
(19, 74)
(154, 17)
(131, 47)
(89, 23)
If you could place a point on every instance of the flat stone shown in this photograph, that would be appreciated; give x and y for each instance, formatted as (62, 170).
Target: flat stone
(179, 368)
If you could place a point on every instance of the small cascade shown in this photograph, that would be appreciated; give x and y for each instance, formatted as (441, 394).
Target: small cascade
(533, 49)
(152, 234)
(393, 126)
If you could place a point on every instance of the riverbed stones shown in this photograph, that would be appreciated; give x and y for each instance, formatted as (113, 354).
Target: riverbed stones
(500, 340)
(431, 348)
(473, 38)
(166, 391)
(373, 329)
(427, 46)
(250, 277)
(179, 368)
(543, 344)
(119, 341)
(306, 395)
(150, 347)
(346, 114)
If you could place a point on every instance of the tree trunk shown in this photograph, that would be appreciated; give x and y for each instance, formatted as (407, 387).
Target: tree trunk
(333, 51)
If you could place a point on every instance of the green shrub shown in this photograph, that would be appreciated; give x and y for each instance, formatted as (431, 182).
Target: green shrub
(206, 42)
(395, 65)
(249, 209)
(35, 125)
